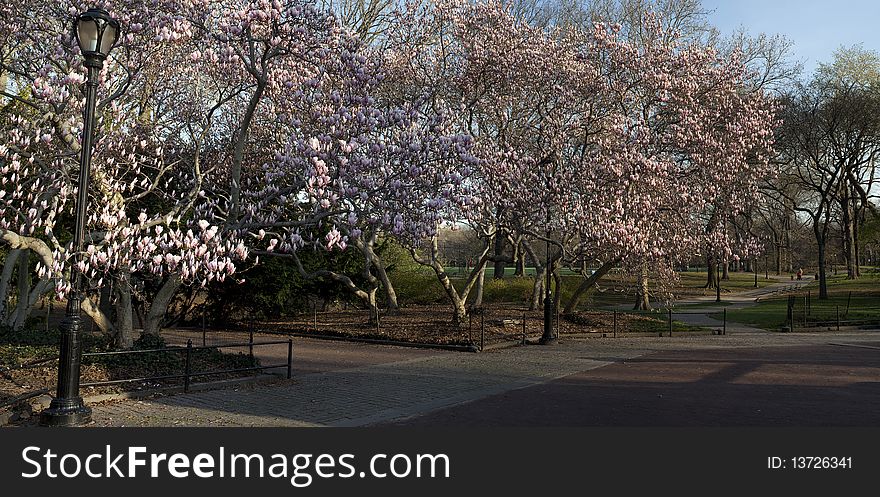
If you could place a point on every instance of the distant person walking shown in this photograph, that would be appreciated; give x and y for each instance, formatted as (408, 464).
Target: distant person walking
(800, 274)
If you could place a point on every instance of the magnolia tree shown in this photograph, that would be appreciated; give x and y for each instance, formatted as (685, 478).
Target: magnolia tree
(388, 173)
(148, 173)
(612, 150)
(225, 128)
(690, 142)
(316, 152)
(505, 83)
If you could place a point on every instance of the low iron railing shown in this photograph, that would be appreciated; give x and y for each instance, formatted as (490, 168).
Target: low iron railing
(187, 375)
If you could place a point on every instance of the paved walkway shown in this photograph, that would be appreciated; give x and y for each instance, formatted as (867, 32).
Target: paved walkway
(362, 384)
(356, 396)
(741, 300)
(803, 385)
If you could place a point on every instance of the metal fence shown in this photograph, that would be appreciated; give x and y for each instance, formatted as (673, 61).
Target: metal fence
(490, 325)
(806, 310)
(485, 327)
(188, 374)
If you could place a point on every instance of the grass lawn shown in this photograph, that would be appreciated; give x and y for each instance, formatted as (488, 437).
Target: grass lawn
(420, 286)
(653, 322)
(856, 301)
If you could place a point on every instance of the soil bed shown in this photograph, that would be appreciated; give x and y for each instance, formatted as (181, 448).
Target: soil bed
(432, 325)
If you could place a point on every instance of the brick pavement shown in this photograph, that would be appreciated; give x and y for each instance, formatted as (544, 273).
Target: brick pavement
(357, 396)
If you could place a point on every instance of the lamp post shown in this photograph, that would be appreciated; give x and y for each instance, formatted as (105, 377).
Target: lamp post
(97, 33)
(547, 337)
(755, 262)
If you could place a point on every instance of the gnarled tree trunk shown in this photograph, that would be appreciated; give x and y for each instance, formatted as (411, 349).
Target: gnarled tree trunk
(457, 299)
(587, 285)
(159, 306)
(643, 302)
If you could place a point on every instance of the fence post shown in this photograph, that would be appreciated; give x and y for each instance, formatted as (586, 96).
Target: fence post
(805, 311)
(809, 302)
(470, 326)
(289, 358)
(724, 325)
(837, 307)
(251, 343)
(615, 323)
(670, 323)
(482, 331)
(315, 309)
(524, 328)
(187, 366)
(204, 334)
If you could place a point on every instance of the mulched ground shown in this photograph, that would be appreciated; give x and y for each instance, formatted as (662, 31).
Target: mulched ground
(433, 325)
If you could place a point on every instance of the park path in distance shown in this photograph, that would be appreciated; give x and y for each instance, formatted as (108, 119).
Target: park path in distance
(740, 300)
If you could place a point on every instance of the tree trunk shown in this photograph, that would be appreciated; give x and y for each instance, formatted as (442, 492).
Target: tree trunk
(557, 296)
(10, 264)
(368, 297)
(456, 298)
(725, 267)
(778, 259)
(587, 285)
(848, 233)
(373, 304)
(789, 262)
(823, 284)
(390, 295)
(540, 277)
(100, 319)
(125, 333)
(520, 264)
(460, 314)
(23, 290)
(27, 296)
(711, 272)
(500, 264)
(159, 306)
(857, 224)
(478, 298)
(106, 294)
(538, 290)
(240, 143)
(858, 255)
(642, 295)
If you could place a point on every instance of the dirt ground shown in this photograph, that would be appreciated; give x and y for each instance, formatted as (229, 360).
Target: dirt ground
(432, 324)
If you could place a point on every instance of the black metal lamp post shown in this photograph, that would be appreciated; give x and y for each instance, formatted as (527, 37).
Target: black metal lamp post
(755, 262)
(97, 33)
(547, 337)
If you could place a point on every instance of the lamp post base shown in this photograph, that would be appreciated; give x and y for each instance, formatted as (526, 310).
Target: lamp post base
(548, 340)
(63, 414)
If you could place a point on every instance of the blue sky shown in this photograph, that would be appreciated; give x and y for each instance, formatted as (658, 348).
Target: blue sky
(816, 28)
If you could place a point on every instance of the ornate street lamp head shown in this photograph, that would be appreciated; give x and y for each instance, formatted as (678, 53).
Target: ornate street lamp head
(97, 33)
